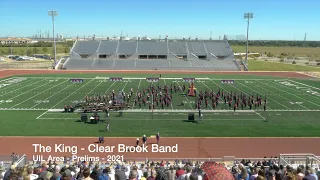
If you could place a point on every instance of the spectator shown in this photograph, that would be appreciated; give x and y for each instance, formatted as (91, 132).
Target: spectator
(152, 176)
(45, 175)
(300, 175)
(127, 171)
(171, 173)
(96, 172)
(104, 175)
(2, 172)
(119, 174)
(14, 176)
(243, 175)
(261, 172)
(140, 172)
(279, 172)
(86, 174)
(133, 175)
(312, 172)
(179, 172)
(8, 173)
(193, 177)
(260, 178)
(271, 175)
(43, 167)
(56, 175)
(254, 174)
(31, 174)
(145, 176)
(309, 175)
(66, 175)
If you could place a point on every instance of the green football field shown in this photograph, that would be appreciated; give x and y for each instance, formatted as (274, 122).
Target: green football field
(28, 107)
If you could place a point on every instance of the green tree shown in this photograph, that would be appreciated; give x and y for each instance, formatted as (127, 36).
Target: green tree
(21, 52)
(269, 54)
(2, 52)
(45, 50)
(29, 52)
(9, 50)
(35, 50)
(66, 50)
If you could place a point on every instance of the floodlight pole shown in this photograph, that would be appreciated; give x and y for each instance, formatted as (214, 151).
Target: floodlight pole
(53, 13)
(247, 16)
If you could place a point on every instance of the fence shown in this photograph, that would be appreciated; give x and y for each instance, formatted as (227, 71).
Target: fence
(314, 74)
(295, 160)
(26, 66)
(22, 161)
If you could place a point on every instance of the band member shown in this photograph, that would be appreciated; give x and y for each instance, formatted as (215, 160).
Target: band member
(158, 138)
(144, 139)
(65, 108)
(71, 109)
(101, 139)
(108, 127)
(137, 142)
(107, 115)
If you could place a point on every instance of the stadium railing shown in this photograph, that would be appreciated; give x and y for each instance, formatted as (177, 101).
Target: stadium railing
(245, 66)
(22, 161)
(295, 160)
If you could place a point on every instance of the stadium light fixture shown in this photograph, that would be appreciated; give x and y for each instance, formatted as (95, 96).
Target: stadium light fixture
(247, 16)
(53, 14)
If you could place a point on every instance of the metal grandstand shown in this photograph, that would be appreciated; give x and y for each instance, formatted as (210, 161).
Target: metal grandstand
(152, 54)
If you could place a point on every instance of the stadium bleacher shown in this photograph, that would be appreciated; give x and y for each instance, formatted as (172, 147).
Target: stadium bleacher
(152, 54)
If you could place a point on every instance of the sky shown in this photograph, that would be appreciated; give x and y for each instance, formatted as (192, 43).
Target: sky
(273, 19)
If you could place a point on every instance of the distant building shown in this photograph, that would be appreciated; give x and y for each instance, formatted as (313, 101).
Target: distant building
(13, 40)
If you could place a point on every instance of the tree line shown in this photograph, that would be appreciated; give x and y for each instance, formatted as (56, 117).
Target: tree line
(276, 43)
(231, 42)
(39, 44)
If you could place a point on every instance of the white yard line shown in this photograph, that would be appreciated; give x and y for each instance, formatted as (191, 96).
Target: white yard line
(170, 111)
(71, 94)
(41, 115)
(287, 92)
(268, 97)
(212, 80)
(53, 95)
(304, 84)
(178, 119)
(296, 89)
(260, 115)
(59, 118)
(21, 109)
(165, 83)
(81, 99)
(8, 79)
(172, 78)
(136, 94)
(184, 95)
(20, 88)
(109, 87)
(38, 94)
(28, 91)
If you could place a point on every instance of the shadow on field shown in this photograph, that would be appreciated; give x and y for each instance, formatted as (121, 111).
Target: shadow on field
(190, 121)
